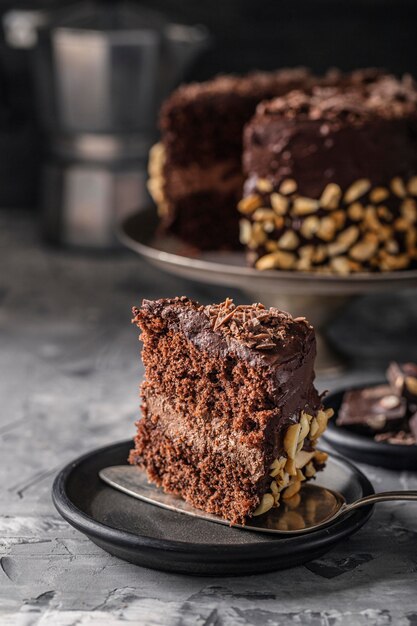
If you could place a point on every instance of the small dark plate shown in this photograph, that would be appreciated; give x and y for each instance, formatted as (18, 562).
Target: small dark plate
(153, 537)
(354, 443)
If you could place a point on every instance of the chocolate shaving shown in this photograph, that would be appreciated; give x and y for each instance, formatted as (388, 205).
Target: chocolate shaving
(254, 325)
(223, 320)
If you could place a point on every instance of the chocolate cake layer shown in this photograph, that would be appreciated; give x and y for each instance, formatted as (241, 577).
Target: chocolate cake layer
(201, 134)
(202, 122)
(230, 411)
(331, 179)
(207, 213)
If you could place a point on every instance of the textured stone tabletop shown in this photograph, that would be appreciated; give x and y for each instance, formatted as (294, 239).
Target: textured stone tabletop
(69, 372)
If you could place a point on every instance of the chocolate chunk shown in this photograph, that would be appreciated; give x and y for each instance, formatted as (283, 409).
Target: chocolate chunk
(400, 437)
(403, 380)
(412, 423)
(376, 408)
(390, 411)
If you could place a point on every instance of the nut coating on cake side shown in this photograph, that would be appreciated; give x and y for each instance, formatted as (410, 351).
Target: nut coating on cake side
(332, 180)
(230, 414)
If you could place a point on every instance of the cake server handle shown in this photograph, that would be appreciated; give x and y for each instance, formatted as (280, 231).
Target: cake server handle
(383, 496)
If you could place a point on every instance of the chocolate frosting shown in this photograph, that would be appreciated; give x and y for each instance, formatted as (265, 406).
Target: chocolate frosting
(334, 135)
(255, 85)
(289, 339)
(288, 361)
(386, 97)
(174, 424)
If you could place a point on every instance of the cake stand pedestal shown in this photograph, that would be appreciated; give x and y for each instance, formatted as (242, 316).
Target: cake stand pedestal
(318, 297)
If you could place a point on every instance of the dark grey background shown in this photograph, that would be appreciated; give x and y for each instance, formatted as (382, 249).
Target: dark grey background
(247, 35)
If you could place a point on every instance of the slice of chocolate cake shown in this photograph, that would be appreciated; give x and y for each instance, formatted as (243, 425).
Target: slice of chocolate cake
(196, 174)
(332, 179)
(230, 414)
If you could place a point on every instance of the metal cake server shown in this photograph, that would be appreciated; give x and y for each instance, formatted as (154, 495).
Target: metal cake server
(314, 507)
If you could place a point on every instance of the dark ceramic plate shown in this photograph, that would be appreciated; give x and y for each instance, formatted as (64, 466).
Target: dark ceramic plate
(356, 444)
(153, 537)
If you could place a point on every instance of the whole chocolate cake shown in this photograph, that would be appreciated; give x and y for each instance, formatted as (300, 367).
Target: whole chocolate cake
(196, 176)
(332, 179)
(230, 414)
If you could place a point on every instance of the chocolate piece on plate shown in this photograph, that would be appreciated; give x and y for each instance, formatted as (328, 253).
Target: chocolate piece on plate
(400, 437)
(412, 423)
(403, 379)
(378, 408)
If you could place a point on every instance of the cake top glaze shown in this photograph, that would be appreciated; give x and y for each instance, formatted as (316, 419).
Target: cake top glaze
(247, 85)
(262, 336)
(254, 84)
(385, 97)
(254, 325)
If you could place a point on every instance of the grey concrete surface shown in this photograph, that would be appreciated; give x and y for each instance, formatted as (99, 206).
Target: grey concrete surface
(69, 372)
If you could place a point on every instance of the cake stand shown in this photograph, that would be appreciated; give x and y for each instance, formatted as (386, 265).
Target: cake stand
(318, 297)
